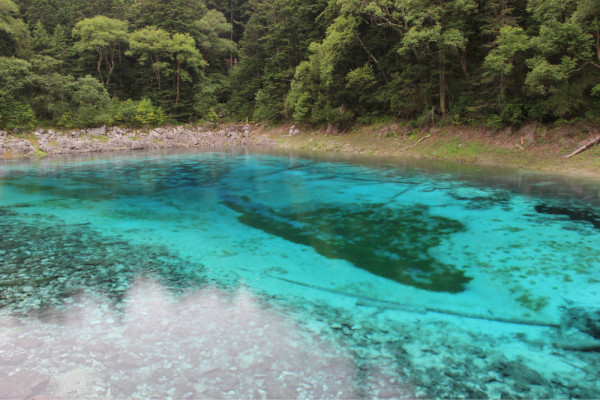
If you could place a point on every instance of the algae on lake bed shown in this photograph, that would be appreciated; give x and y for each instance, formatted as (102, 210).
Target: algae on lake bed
(43, 263)
(392, 242)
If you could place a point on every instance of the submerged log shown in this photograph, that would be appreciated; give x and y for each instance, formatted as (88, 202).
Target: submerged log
(584, 147)
(391, 305)
(579, 345)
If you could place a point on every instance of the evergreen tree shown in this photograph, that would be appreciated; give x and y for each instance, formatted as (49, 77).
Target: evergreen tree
(187, 57)
(41, 40)
(16, 84)
(437, 33)
(275, 41)
(562, 48)
(14, 36)
(173, 16)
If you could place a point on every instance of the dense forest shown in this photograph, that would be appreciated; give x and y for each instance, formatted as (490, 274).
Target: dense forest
(72, 63)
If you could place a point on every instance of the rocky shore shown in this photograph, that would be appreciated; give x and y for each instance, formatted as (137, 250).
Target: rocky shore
(536, 149)
(105, 139)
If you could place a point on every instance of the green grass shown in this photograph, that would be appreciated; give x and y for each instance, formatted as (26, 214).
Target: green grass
(456, 149)
(39, 153)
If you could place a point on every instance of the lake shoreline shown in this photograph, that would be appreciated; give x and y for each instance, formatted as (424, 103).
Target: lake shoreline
(534, 148)
(531, 147)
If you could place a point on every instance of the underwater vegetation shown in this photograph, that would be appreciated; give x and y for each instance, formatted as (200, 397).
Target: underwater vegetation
(43, 263)
(392, 242)
(574, 213)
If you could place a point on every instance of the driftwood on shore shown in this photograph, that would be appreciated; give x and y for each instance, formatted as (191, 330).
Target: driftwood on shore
(584, 147)
(413, 145)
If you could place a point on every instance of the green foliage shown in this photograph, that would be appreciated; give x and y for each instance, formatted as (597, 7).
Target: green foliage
(361, 78)
(340, 116)
(104, 37)
(437, 28)
(184, 51)
(276, 40)
(41, 40)
(494, 121)
(59, 44)
(16, 81)
(54, 95)
(513, 112)
(173, 16)
(211, 94)
(137, 113)
(15, 114)
(187, 58)
(91, 101)
(14, 35)
(167, 55)
(498, 62)
(152, 46)
(211, 33)
(267, 104)
(211, 116)
(148, 114)
(124, 112)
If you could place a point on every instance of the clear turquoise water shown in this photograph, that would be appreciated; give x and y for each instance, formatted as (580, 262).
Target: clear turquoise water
(246, 275)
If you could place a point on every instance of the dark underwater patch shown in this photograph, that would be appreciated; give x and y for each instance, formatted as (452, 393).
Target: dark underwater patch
(390, 242)
(574, 213)
(42, 263)
(483, 202)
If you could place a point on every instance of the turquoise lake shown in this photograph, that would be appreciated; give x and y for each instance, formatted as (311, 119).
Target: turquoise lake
(238, 274)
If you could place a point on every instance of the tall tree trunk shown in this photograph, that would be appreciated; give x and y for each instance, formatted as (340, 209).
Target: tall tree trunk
(442, 82)
(373, 58)
(231, 34)
(502, 87)
(157, 72)
(99, 65)
(110, 66)
(178, 75)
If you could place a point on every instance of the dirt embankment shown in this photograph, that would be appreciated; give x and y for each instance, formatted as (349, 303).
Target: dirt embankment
(531, 147)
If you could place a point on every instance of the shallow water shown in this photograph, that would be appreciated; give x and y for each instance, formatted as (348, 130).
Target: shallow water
(248, 275)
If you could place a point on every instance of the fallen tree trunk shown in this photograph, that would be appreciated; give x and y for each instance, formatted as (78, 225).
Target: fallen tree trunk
(584, 147)
(420, 140)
